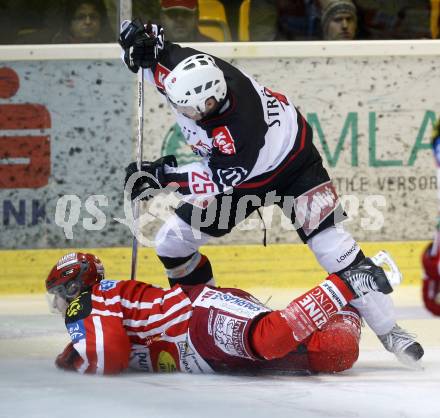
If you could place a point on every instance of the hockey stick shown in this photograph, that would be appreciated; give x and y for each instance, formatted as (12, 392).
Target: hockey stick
(140, 139)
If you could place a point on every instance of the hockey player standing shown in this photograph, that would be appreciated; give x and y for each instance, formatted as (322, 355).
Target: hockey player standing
(254, 144)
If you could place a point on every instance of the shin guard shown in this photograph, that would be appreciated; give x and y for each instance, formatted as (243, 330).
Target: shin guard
(280, 332)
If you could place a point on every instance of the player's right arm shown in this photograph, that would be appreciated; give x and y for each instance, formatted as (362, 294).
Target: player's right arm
(100, 343)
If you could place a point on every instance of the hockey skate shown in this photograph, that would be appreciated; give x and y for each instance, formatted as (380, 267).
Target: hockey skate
(403, 345)
(369, 276)
(398, 341)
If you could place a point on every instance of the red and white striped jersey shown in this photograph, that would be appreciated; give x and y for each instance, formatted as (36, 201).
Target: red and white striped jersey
(121, 324)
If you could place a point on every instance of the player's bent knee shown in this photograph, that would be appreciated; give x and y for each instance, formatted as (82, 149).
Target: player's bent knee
(167, 243)
(176, 238)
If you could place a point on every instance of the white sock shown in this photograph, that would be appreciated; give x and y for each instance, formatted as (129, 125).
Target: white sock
(334, 248)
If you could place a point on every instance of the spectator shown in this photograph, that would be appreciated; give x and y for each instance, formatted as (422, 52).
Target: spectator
(84, 21)
(339, 20)
(399, 19)
(180, 19)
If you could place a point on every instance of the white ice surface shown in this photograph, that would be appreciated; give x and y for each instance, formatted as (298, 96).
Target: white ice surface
(378, 386)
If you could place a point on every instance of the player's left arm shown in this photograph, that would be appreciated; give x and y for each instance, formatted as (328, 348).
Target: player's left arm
(233, 156)
(99, 343)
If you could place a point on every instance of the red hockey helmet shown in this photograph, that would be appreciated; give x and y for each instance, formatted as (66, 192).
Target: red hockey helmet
(431, 280)
(74, 273)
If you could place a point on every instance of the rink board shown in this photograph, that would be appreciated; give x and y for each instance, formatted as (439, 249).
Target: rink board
(244, 266)
(372, 129)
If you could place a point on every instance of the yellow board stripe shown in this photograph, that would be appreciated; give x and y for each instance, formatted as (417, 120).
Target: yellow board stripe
(244, 266)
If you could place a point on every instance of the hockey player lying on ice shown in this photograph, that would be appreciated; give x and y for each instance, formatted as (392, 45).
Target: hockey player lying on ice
(116, 325)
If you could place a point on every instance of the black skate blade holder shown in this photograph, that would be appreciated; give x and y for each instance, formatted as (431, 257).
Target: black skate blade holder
(384, 260)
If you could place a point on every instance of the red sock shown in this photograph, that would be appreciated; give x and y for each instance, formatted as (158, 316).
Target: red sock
(280, 332)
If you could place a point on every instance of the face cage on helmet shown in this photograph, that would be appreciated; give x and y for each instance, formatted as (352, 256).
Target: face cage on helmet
(57, 305)
(189, 111)
(66, 291)
(59, 297)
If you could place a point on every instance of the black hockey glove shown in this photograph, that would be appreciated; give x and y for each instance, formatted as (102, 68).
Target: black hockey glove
(155, 177)
(141, 44)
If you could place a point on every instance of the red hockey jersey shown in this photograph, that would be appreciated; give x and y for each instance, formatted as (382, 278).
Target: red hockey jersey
(121, 324)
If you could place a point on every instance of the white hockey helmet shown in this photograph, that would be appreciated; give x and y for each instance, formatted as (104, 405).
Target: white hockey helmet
(193, 81)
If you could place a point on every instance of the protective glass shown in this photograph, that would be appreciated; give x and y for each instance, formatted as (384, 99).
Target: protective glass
(57, 305)
(185, 110)
(59, 297)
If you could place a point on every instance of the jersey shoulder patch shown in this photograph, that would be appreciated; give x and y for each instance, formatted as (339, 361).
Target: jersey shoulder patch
(79, 308)
(160, 74)
(106, 285)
